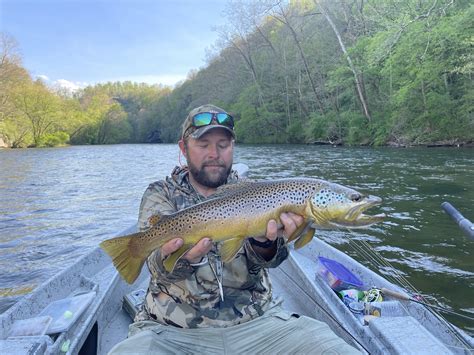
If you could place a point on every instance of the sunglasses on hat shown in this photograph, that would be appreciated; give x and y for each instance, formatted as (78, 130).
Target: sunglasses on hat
(206, 118)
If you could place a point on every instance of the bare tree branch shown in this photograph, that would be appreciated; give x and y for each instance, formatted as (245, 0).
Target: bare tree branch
(358, 82)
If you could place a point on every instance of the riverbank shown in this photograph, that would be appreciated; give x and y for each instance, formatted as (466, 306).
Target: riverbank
(436, 144)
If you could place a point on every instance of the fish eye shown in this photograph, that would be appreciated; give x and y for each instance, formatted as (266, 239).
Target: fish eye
(356, 197)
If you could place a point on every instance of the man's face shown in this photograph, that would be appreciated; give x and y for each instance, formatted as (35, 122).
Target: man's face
(210, 157)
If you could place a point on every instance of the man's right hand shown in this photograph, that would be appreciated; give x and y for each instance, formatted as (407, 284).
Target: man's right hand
(193, 255)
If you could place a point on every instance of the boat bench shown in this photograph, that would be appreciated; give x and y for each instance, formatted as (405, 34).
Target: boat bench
(397, 334)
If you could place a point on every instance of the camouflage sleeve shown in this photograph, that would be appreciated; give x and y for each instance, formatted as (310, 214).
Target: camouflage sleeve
(254, 259)
(157, 201)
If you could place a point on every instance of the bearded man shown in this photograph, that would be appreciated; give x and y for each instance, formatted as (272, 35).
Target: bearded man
(204, 306)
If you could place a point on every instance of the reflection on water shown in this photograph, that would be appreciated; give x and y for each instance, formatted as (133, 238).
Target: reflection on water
(57, 204)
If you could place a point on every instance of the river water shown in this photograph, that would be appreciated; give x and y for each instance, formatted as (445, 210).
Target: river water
(57, 204)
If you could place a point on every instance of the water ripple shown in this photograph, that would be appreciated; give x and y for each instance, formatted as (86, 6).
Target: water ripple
(58, 204)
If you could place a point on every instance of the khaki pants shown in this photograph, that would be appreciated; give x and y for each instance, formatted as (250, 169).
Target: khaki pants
(278, 332)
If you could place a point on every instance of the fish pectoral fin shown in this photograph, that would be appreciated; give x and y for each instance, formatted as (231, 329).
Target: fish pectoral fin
(170, 262)
(305, 238)
(299, 231)
(230, 247)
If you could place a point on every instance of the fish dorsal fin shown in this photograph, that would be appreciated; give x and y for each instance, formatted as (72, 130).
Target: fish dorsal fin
(153, 220)
(170, 262)
(230, 248)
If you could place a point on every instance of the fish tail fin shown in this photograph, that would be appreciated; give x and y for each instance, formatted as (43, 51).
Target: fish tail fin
(127, 259)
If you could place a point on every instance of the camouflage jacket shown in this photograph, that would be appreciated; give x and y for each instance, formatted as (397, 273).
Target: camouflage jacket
(190, 296)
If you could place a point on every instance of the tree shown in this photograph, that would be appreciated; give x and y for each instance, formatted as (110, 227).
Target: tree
(357, 79)
(38, 106)
(11, 73)
(236, 34)
(286, 16)
(354, 72)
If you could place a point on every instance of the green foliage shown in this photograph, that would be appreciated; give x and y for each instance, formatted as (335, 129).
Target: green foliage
(381, 131)
(17, 133)
(86, 135)
(249, 127)
(330, 128)
(114, 128)
(288, 80)
(54, 139)
(358, 132)
(295, 132)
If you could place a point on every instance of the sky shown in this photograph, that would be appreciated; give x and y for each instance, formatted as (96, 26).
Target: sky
(82, 42)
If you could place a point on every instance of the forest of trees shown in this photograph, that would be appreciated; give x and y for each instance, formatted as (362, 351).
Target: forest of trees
(370, 72)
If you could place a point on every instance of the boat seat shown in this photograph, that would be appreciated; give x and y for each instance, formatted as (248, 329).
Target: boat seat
(397, 334)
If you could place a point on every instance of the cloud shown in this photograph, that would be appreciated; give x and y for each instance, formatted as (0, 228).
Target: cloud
(62, 85)
(67, 85)
(70, 87)
(43, 77)
(168, 80)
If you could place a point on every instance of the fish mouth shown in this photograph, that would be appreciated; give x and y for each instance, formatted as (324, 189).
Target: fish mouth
(355, 216)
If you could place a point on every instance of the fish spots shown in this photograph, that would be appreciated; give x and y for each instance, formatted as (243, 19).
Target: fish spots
(326, 197)
(248, 200)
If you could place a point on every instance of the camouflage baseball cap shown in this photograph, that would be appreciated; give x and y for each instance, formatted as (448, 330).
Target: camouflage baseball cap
(197, 132)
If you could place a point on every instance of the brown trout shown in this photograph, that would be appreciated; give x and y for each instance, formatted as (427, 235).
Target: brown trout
(240, 211)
